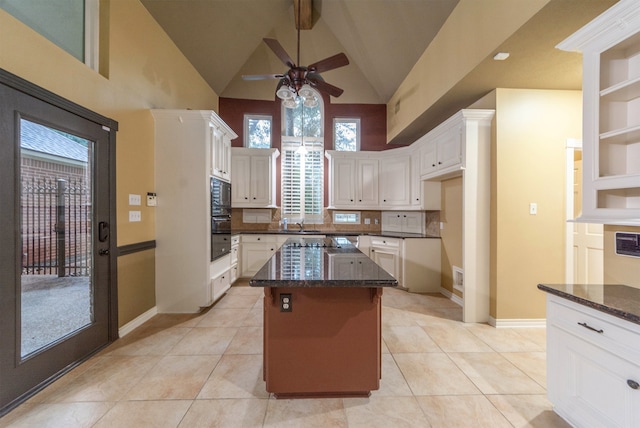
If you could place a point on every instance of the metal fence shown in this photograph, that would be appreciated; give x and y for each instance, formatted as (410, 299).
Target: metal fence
(56, 227)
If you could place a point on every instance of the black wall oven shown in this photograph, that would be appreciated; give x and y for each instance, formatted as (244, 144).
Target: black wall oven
(220, 218)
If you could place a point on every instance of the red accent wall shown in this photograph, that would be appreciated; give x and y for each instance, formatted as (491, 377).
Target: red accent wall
(373, 123)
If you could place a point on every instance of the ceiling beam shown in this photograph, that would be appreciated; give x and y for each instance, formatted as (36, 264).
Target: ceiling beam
(306, 14)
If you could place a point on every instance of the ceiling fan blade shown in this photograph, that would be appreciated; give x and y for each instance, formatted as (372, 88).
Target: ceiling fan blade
(277, 48)
(323, 86)
(261, 76)
(336, 61)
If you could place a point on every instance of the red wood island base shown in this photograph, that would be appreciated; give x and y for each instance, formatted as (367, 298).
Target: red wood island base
(328, 345)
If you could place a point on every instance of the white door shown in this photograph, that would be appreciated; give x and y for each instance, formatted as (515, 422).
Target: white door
(588, 250)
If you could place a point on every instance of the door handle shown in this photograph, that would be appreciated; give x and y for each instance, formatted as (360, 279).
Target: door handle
(103, 231)
(104, 252)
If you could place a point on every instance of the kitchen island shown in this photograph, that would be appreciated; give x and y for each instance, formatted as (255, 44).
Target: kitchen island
(322, 319)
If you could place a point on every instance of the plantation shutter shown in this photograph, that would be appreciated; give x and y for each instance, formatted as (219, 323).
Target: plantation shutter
(291, 180)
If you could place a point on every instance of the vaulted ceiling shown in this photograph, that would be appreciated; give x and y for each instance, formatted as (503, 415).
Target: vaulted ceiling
(383, 39)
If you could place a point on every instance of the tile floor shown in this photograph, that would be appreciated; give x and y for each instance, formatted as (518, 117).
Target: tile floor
(205, 371)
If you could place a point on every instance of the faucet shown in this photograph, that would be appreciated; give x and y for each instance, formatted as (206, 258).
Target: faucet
(301, 225)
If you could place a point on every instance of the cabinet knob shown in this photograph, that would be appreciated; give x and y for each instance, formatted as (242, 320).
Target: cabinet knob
(351, 200)
(439, 163)
(384, 200)
(246, 197)
(258, 239)
(254, 197)
(433, 164)
(359, 200)
(633, 384)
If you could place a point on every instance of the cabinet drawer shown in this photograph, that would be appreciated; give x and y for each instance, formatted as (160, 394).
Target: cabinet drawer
(603, 330)
(385, 242)
(235, 240)
(259, 239)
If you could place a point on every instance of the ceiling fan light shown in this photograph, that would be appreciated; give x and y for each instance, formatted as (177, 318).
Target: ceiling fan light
(306, 92)
(284, 93)
(311, 102)
(289, 103)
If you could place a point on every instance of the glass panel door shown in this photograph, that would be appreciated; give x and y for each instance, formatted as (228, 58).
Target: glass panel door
(56, 212)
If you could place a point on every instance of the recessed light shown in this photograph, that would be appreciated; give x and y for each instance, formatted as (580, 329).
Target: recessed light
(501, 56)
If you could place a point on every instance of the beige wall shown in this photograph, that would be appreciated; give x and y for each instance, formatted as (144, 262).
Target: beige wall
(619, 269)
(469, 35)
(145, 70)
(532, 127)
(451, 234)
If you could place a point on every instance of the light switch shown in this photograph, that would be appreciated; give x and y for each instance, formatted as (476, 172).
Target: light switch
(533, 208)
(135, 216)
(134, 199)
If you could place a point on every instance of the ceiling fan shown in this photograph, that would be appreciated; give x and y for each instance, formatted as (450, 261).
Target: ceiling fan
(293, 80)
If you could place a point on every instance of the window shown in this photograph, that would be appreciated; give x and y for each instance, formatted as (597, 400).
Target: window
(346, 134)
(257, 131)
(70, 24)
(346, 217)
(302, 161)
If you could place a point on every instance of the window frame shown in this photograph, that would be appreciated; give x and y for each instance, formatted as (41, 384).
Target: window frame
(252, 116)
(358, 215)
(355, 120)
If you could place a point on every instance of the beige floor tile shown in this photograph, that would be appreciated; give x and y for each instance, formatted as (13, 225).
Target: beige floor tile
(248, 340)
(236, 376)
(392, 383)
(494, 374)
(148, 341)
(237, 301)
(533, 411)
(204, 341)
(175, 377)
(504, 339)
(462, 411)
(397, 317)
(384, 412)
(534, 364)
(222, 317)
(108, 380)
(174, 320)
(408, 339)
(537, 335)
(254, 318)
(238, 413)
(242, 288)
(455, 338)
(307, 413)
(59, 415)
(143, 414)
(434, 374)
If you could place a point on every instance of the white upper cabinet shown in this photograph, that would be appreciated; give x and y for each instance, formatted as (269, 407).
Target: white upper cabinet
(221, 152)
(611, 107)
(253, 177)
(441, 152)
(395, 181)
(353, 180)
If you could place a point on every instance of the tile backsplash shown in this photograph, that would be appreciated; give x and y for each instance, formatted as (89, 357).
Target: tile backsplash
(432, 227)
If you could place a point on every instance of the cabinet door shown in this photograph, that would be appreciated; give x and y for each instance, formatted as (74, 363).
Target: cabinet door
(261, 180)
(395, 182)
(225, 158)
(241, 179)
(220, 285)
(254, 256)
(428, 158)
(449, 148)
(588, 385)
(217, 152)
(367, 182)
(392, 221)
(343, 182)
(413, 222)
(417, 189)
(387, 259)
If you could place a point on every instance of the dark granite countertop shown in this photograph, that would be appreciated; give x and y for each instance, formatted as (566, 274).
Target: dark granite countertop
(620, 301)
(318, 262)
(332, 233)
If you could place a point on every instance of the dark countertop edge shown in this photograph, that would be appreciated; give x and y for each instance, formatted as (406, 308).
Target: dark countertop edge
(322, 284)
(333, 233)
(618, 313)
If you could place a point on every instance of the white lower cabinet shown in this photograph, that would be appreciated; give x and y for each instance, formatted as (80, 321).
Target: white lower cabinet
(235, 251)
(593, 366)
(256, 250)
(414, 262)
(219, 271)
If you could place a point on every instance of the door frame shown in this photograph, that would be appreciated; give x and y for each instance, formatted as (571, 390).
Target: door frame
(18, 84)
(571, 146)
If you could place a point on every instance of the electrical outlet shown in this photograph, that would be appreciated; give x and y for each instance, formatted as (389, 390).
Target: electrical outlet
(367, 221)
(286, 303)
(134, 199)
(533, 208)
(135, 216)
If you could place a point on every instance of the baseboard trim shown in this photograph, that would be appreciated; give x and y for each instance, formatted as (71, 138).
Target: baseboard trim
(137, 322)
(453, 297)
(518, 323)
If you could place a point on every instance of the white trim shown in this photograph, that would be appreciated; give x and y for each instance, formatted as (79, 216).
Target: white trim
(137, 322)
(453, 297)
(92, 34)
(518, 323)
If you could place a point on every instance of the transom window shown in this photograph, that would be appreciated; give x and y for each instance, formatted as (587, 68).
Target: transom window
(70, 24)
(257, 131)
(346, 134)
(302, 160)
